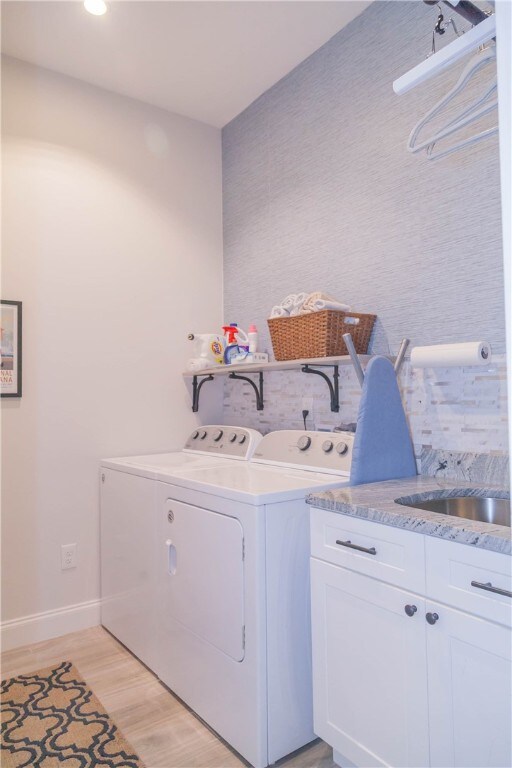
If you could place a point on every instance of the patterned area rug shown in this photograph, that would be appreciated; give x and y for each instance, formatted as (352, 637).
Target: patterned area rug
(52, 719)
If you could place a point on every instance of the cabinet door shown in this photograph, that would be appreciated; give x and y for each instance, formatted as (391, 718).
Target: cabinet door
(369, 669)
(128, 569)
(470, 690)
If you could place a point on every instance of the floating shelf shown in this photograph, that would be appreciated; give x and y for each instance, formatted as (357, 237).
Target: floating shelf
(306, 366)
(278, 365)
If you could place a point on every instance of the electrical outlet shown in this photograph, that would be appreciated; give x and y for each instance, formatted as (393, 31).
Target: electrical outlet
(67, 556)
(307, 404)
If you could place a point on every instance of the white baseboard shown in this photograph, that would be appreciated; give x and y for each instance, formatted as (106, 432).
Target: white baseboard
(44, 626)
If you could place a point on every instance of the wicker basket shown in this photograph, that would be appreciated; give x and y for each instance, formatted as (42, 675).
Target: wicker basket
(319, 334)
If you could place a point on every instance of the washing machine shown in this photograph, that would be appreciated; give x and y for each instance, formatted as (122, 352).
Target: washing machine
(129, 519)
(233, 622)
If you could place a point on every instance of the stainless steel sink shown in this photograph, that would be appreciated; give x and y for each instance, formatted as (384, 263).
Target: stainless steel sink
(484, 509)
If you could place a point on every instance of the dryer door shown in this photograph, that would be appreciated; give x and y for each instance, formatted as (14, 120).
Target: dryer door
(202, 574)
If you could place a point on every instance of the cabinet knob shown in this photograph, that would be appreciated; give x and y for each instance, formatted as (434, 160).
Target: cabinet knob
(432, 618)
(410, 610)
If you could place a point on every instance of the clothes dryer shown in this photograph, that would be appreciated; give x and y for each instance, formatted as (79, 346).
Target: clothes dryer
(233, 589)
(129, 533)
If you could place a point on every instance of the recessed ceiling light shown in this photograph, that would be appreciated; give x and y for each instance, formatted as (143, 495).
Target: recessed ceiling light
(96, 7)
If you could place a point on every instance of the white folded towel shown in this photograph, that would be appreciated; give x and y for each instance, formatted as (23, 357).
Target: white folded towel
(290, 305)
(288, 302)
(304, 303)
(318, 295)
(300, 298)
(318, 301)
(320, 304)
(278, 311)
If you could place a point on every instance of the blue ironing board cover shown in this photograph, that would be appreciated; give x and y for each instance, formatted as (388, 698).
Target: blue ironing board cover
(383, 448)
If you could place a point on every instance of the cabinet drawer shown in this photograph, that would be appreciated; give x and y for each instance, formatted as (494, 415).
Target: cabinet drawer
(451, 569)
(381, 551)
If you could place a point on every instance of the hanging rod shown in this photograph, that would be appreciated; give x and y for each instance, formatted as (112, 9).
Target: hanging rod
(447, 56)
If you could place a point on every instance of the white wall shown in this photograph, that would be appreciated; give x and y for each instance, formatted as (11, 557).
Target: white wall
(112, 238)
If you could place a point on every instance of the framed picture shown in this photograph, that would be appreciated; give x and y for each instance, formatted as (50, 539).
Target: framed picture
(10, 329)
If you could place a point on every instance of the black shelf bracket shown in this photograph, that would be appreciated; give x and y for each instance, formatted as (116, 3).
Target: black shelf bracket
(334, 388)
(258, 390)
(196, 388)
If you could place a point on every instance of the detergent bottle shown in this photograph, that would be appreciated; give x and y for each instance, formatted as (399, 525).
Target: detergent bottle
(237, 344)
(253, 338)
(208, 351)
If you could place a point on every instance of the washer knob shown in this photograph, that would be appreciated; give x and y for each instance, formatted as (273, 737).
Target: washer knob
(342, 448)
(203, 434)
(327, 446)
(195, 435)
(217, 435)
(242, 439)
(232, 437)
(303, 442)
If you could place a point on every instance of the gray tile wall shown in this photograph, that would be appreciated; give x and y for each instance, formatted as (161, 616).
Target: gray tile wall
(321, 193)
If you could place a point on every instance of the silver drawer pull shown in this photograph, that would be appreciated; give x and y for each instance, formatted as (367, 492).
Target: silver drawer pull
(371, 551)
(489, 588)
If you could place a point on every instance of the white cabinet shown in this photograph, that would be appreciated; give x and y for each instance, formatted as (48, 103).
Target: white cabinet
(393, 689)
(469, 684)
(474, 580)
(385, 553)
(369, 669)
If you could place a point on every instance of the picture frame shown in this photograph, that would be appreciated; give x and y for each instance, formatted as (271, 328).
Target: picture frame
(11, 348)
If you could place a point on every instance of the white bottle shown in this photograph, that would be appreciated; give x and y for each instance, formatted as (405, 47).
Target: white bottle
(252, 335)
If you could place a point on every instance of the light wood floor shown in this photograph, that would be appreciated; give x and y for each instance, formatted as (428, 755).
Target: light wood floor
(163, 732)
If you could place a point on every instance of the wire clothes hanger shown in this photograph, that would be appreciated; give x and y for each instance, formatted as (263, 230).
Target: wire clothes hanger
(474, 111)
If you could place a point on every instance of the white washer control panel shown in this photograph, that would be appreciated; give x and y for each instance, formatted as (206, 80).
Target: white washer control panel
(226, 441)
(329, 452)
(304, 442)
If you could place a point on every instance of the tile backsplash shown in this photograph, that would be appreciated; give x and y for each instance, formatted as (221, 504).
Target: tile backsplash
(457, 416)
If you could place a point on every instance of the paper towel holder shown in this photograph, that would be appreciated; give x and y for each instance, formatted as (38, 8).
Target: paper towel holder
(460, 354)
(347, 338)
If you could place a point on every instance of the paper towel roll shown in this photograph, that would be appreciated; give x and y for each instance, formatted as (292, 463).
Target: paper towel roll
(450, 355)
